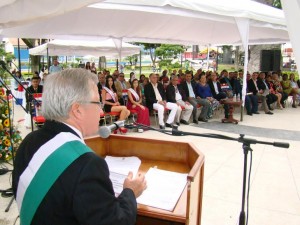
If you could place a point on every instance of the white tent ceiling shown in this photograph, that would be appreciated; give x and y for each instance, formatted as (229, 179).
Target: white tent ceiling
(162, 21)
(292, 12)
(106, 48)
(20, 12)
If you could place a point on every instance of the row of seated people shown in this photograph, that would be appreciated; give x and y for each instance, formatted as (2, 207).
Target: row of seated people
(181, 100)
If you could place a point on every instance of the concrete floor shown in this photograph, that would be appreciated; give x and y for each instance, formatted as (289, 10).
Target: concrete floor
(275, 179)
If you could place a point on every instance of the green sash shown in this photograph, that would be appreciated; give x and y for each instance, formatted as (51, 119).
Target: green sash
(49, 171)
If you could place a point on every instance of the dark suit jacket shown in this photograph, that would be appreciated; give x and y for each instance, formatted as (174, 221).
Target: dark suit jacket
(186, 89)
(212, 88)
(150, 94)
(170, 93)
(251, 87)
(83, 194)
(261, 85)
(30, 90)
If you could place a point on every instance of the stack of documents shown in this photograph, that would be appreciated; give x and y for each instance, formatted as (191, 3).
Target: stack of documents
(163, 189)
(119, 167)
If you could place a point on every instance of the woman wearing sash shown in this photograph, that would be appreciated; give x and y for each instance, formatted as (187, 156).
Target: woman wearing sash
(111, 103)
(135, 103)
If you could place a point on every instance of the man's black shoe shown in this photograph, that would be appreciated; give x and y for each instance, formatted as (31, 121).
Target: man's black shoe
(269, 113)
(195, 121)
(162, 127)
(184, 122)
(249, 113)
(169, 125)
(203, 120)
(256, 113)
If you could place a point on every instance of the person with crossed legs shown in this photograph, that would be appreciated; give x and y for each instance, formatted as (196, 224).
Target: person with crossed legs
(156, 99)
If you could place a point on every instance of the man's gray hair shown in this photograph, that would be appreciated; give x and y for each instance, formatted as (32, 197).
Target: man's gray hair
(61, 90)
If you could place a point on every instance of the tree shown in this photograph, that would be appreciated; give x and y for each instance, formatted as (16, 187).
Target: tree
(151, 48)
(167, 53)
(132, 60)
(7, 56)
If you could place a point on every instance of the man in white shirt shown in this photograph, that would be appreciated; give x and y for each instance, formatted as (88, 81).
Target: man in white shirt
(156, 99)
(55, 67)
(176, 95)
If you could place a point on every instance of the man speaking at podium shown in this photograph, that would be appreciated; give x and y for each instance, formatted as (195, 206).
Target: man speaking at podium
(57, 179)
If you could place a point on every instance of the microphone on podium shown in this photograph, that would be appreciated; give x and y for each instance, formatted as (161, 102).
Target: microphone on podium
(105, 131)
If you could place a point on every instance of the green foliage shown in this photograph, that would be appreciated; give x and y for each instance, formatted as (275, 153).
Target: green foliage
(169, 51)
(132, 59)
(8, 57)
(277, 4)
(7, 141)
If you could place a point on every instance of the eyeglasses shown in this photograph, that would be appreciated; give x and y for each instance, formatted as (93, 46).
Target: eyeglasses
(92, 102)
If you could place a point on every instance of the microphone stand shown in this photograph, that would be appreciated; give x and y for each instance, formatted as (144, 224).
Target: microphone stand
(28, 94)
(246, 142)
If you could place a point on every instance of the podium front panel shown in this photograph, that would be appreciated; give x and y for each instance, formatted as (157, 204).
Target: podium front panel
(166, 155)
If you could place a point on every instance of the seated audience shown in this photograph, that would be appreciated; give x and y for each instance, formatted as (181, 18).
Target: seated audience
(110, 100)
(203, 91)
(274, 91)
(189, 87)
(176, 95)
(122, 86)
(217, 92)
(288, 89)
(135, 102)
(156, 99)
(259, 92)
(295, 86)
(263, 85)
(278, 87)
(164, 79)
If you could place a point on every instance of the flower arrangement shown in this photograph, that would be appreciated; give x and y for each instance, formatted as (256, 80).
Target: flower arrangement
(6, 142)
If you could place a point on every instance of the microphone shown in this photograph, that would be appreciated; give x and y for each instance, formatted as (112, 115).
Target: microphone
(105, 131)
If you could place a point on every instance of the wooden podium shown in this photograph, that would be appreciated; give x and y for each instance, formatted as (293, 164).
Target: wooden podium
(167, 155)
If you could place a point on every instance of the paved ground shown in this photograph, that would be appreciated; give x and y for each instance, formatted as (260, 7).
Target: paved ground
(275, 179)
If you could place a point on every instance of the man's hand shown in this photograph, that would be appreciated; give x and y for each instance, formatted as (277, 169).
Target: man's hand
(137, 184)
(161, 103)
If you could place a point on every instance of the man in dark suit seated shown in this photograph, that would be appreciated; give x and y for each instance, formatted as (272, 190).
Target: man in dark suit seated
(176, 95)
(33, 89)
(254, 89)
(263, 85)
(189, 86)
(156, 99)
(217, 92)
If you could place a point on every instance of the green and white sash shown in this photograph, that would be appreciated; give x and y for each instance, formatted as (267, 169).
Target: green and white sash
(47, 164)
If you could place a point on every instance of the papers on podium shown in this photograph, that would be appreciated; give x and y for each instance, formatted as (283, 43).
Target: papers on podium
(119, 167)
(163, 189)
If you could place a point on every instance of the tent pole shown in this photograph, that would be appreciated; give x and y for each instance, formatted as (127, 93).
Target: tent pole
(19, 55)
(48, 60)
(140, 62)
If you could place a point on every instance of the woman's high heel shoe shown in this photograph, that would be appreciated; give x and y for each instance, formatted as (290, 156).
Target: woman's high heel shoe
(122, 130)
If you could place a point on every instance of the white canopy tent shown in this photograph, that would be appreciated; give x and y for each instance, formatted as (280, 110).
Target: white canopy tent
(214, 22)
(20, 12)
(106, 48)
(162, 21)
(291, 10)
